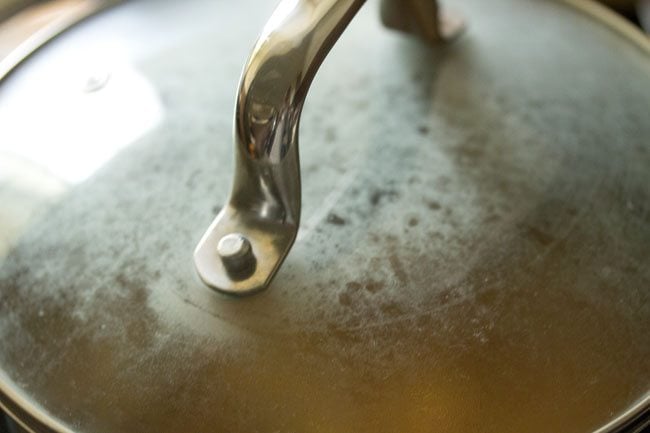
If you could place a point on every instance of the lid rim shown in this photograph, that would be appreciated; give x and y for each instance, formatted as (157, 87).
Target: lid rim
(33, 417)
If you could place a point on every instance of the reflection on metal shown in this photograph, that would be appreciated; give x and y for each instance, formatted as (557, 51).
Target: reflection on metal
(30, 29)
(63, 97)
(71, 111)
(265, 200)
(38, 164)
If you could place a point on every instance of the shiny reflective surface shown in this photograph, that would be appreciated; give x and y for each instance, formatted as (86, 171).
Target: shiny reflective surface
(264, 204)
(30, 28)
(265, 201)
(475, 261)
(64, 119)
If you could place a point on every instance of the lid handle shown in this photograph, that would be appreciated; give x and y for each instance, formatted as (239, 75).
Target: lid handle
(247, 242)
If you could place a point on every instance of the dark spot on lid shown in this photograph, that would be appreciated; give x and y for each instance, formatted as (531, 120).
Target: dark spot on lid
(504, 186)
(335, 220)
(413, 222)
(374, 286)
(470, 151)
(433, 205)
(377, 196)
(353, 286)
(486, 297)
(216, 209)
(630, 269)
(330, 135)
(539, 236)
(345, 299)
(391, 309)
(191, 181)
(423, 130)
(491, 218)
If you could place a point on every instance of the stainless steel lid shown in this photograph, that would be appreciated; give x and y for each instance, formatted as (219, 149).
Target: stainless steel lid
(473, 253)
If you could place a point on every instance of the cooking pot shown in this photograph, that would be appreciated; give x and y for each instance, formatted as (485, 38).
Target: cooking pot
(471, 251)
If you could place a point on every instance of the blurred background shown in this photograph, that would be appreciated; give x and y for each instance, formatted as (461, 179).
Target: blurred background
(637, 11)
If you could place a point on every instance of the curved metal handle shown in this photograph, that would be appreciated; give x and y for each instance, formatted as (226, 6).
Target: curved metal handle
(247, 242)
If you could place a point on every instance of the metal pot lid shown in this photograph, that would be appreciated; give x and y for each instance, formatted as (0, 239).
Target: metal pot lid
(473, 253)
